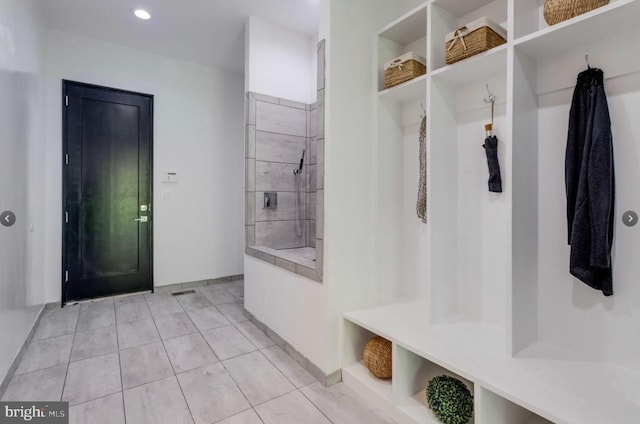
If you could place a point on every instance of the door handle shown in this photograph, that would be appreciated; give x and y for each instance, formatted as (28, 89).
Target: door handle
(142, 219)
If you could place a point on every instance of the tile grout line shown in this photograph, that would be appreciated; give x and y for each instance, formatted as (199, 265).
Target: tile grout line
(316, 406)
(277, 397)
(278, 368)
(124, 407)
(235, 382)
(164, 348)
(98, 398)
(66, 374)
(222, 361)
(258, 415)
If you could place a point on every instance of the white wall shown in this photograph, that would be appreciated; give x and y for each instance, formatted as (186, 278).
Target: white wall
(198, 231)
(21, 115)
(293, 306)
(279, 62)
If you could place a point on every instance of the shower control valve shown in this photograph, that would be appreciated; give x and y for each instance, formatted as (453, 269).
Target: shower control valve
(270, 200)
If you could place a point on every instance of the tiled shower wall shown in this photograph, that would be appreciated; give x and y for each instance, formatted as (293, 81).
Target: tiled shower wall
(280, 134)
(277, 130)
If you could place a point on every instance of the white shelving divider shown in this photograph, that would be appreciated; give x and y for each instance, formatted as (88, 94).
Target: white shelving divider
(476, 68)
(410, 91)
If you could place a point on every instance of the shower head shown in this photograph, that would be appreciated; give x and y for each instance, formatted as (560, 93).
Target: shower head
(299, 170)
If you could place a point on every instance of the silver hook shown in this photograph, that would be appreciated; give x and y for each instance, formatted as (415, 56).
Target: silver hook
(491, 98)
(424, 112)
(586, 59)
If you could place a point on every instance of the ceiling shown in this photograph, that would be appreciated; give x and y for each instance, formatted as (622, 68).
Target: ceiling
(209, 32)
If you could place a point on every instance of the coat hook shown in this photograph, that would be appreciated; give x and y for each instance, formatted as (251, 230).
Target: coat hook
(424, 112)
(491, 98)
(586, 59)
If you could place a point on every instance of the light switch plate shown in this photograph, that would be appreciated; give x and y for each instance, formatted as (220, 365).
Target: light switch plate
(170, 177)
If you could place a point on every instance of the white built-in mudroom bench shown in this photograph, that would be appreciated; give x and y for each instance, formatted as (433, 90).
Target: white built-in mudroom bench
(487, 296)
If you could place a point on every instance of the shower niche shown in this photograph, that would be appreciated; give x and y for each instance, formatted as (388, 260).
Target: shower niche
(284, 181)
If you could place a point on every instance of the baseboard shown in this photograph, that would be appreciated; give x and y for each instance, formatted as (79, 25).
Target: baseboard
(199, 283)
(16, 360)
(326, 380)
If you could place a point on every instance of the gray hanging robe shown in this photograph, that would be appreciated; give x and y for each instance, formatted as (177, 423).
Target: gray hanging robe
(590, 185)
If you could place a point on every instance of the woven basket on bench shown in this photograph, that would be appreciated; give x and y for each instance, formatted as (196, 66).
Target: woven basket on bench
(377, 357)
(556, 11)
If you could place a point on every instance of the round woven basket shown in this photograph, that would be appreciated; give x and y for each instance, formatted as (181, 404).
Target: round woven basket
(556, 11)
(377, 357)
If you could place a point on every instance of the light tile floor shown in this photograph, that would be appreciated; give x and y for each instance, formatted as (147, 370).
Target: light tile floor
(158, 359)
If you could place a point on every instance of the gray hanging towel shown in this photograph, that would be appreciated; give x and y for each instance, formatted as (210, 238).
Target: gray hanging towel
(421, 207)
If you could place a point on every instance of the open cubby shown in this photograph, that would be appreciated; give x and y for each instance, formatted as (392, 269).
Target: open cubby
(495, 409)
(406, 34)
(468, 252)
(529, 22)
(553, 314)
(413, 374)
(451, 15)
(354, 371)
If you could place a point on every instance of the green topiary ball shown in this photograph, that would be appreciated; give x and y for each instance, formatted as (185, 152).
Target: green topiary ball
(450, 400)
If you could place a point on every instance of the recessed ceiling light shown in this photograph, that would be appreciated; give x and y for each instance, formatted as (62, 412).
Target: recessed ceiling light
(142, 14)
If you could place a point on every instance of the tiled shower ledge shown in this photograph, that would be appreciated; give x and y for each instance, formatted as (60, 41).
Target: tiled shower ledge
(290, 255)
(280, 259)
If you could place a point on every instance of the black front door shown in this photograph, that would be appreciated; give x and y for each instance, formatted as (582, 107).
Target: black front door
(107, 193)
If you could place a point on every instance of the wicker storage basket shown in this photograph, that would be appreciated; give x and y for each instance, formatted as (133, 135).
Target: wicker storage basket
(402, 69)
(478, 36)
(377, 357)
(556, 11)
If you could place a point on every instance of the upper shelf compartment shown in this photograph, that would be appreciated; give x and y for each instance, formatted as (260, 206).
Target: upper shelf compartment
(408, 28)
(462, 7)
(551, 41)
(404, 35)
(450, 15)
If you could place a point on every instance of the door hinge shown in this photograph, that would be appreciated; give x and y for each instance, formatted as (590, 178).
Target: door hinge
(66, 100)
(66, 217)
(66, 159)
(66, 276)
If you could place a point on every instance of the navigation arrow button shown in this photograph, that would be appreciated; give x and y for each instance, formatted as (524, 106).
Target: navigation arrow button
(7, 218)
(630, 218)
